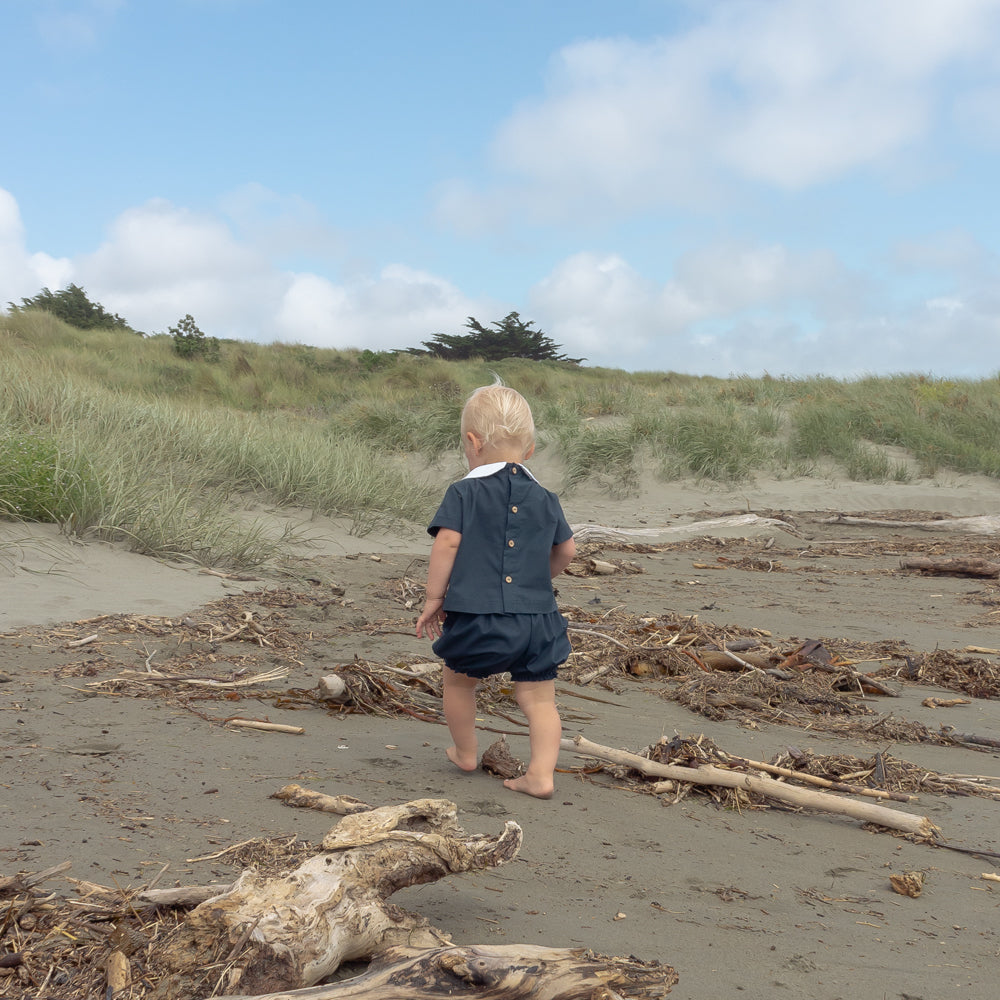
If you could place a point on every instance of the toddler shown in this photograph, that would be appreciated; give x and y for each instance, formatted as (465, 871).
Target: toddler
(499, 539)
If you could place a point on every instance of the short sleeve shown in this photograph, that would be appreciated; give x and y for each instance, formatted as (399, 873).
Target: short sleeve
(449, 514)
(563, 532)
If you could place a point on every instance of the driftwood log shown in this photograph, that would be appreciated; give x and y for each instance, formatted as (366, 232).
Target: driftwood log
(964, 566)
(483, 972)
(267, 934)
(981, 524)
(805, 798)
(307, 798)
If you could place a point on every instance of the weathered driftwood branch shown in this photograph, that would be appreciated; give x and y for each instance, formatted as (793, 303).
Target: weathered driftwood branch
(292, 931)
(813, 779)
(156, 677)
(86, 640)
(307, 798)
(984, 524)
(973, 740)
(265, 727)
(228, 576)
(21, 883)
(966, 566)
(182, 895)
(867, 812)
(602, 533)
(497, 972)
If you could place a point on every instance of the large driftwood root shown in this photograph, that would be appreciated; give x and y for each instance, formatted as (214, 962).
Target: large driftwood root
(511, 972)
(267, 934)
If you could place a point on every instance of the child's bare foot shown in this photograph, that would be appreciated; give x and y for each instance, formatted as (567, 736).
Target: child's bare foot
(464, 762)
(530, 786)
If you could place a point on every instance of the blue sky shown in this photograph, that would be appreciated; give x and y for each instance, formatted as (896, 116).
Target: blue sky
(713, 187)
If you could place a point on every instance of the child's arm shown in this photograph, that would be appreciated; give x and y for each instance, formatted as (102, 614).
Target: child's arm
(561, 556)
(443, 553)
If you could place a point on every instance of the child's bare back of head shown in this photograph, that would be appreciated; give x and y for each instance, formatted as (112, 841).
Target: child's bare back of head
(499, 416)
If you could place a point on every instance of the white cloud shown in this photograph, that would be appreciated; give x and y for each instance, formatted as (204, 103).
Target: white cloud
(740, 308)
(162, 262)
(732, 276)
(399, 307)
(281, 224)
(792, 93)
(954, 251)
(74, 24)
(600, 308)
(24, 274)
(722, 308)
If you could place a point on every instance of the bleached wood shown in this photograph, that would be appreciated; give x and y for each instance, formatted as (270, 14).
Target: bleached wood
(497, 972)
(805, 798)
(292, 931)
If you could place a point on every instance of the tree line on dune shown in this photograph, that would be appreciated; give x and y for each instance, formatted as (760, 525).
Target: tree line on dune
(510, 337)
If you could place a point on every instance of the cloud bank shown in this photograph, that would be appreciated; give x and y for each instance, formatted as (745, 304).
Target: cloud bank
(732, 197)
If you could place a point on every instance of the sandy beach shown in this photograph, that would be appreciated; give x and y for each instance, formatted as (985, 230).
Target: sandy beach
(122, 778)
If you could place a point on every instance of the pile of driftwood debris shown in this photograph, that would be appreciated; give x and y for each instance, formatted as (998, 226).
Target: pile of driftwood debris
(242, 651)
(293, 918)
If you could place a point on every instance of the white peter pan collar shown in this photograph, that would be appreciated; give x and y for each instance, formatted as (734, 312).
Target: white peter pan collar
(487, 470)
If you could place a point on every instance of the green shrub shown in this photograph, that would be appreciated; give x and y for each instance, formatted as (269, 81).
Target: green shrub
(191, 343)
(36, 482)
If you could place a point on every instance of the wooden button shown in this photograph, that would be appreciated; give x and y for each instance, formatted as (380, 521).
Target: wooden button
(510, 544)
(509, 579)
(513, 509)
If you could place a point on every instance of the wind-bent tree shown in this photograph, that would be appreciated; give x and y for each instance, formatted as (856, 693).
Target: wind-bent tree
(510, 337)
(72, 306)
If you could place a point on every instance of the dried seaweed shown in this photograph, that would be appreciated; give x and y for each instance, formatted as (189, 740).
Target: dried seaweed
(953, 671)
(720, 672)
(58, 945)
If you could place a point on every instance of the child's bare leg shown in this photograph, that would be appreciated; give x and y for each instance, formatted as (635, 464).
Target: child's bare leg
(459, 699)
(538, 702)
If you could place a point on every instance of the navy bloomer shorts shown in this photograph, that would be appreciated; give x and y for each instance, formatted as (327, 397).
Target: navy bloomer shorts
(531, 647)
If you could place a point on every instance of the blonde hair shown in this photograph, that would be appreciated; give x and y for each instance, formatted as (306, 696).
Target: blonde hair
(499, 415)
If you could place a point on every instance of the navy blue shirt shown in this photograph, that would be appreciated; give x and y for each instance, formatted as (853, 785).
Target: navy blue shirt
(509, 524)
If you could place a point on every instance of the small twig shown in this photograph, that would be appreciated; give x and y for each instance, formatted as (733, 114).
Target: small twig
(223, 852)
(244, 937)
(736, 659)
(593, 674)
(600, 635)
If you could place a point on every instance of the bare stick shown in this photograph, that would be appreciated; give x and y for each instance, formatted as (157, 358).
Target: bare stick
(82, 642)
(599, 635)
(267, 727)
(812, 779)
(867, 812)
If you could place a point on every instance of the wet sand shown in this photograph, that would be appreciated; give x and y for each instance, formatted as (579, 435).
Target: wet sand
(751, 903)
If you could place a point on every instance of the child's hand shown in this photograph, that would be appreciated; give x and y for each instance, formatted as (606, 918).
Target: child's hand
(429, 622)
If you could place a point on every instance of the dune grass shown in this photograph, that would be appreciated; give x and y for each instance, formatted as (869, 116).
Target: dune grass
(116, 435)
